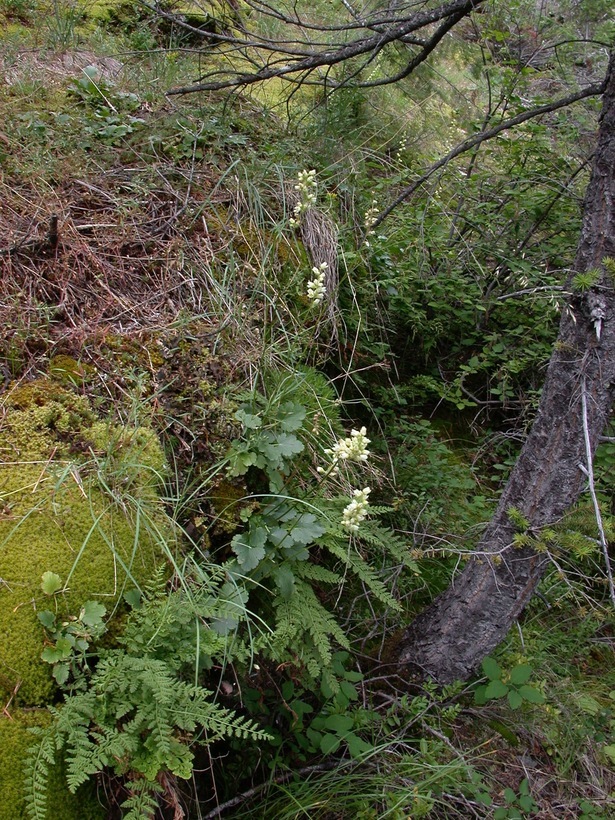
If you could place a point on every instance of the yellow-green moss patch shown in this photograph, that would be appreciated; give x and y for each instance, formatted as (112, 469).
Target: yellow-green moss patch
(79, 497)
(15, 740)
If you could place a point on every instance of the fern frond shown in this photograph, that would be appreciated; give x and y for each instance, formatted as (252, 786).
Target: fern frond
(364, 572)
(142, 804)
(41, 756)
(315, 572)
(373, 533)
(306, 629)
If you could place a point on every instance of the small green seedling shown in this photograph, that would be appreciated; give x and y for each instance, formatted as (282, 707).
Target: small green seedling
(511, 685)
(68, 640)
(518, 805)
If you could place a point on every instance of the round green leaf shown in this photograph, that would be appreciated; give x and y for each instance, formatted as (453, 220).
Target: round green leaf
(329, 744)
(531, 695)
(480, 696)
(495, 689)
(50, 583)
(509, 796)
(514, 699)
(60, 672)
(349, 690)
(357, 746)
(92, 613)
(491, 668)
(521, 674)
(339, 723)
(47, 618)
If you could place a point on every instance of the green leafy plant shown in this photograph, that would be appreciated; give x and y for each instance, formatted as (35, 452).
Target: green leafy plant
(305, 722)
(136, 714)
(110, 113)
(518, 804)
(589, 810)
(68, 640)
(299, 536)
(512, 685)
(339, 722)
(270, 442)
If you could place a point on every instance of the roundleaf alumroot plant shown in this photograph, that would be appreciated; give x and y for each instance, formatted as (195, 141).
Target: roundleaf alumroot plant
(304, 536)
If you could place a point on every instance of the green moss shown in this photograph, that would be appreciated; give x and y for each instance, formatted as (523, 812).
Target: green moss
(227, 502)
(15, 739)
(80, 498)
(42, 420)
(68, 371)
(128, 15)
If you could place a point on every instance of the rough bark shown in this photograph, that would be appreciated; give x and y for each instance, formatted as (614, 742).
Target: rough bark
(449, 639)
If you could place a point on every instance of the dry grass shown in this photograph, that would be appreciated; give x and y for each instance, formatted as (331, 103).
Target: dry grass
(131, 255)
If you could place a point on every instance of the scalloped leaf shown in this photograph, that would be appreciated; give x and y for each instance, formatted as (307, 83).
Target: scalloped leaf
(531, 694)
(51, 583)
(495, 689)
(492, 668)
(521, 674)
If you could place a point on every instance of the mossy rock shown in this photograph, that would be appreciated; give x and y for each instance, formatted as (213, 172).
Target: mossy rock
(15, 740)
(79, 498)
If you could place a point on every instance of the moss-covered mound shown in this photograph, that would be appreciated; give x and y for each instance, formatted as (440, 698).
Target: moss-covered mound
(15, 739)
(79, 499)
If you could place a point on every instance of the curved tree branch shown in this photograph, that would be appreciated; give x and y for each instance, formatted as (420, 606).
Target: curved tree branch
(593, 90)
(307, 58)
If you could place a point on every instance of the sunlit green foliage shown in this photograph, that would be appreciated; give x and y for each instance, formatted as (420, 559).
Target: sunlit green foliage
(183, 299)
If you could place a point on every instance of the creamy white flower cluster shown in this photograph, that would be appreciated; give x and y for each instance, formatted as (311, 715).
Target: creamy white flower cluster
(351, 448)
(356, 511)
(307, 188)
(316, 286)
(370, 218)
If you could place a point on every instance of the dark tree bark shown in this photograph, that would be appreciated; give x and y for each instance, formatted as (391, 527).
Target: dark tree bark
(449, 639)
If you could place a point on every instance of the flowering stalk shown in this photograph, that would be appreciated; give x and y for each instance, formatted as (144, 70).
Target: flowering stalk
(307, 188)
(370, 220)
(351, 448)
(316, 286)
(356, 512)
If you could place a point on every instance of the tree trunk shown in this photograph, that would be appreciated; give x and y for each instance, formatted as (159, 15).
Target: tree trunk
(449, 639)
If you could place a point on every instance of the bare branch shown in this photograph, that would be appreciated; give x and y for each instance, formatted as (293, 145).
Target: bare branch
(482, 136)
(426, 50)
(306, 59)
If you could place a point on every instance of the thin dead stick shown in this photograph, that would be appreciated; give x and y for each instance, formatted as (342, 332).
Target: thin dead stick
(589, 472)
(240, 798)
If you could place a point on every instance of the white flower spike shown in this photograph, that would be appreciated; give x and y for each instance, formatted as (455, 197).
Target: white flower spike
(316, 286)
(356, 512)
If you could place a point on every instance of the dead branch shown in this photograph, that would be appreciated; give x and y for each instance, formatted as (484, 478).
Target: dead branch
(482, 136)
(297, 58)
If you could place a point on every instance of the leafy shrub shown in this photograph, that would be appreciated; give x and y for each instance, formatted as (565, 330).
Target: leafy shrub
(299, 535)
(512, 685)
